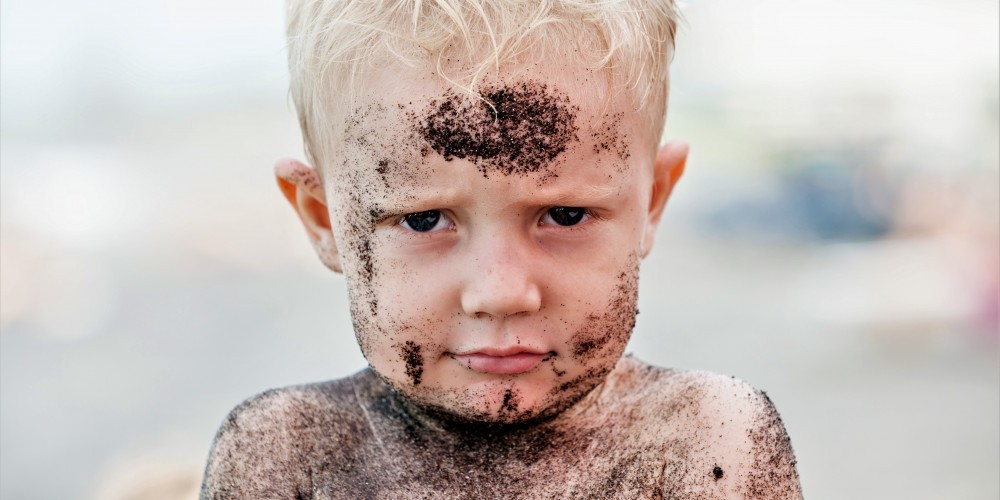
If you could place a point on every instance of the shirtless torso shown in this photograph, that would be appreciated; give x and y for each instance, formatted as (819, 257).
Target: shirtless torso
(645, 432)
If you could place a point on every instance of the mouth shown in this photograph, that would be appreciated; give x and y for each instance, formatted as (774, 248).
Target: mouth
(502, 361)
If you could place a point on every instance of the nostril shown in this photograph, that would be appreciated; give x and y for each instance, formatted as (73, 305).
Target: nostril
(500, 302)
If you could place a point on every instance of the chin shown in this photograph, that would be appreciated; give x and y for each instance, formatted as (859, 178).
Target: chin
(505, 401)
(500, 403)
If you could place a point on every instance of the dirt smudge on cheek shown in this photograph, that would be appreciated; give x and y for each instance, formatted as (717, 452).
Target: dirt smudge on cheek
(373, 161)
(359, 269)
(586, 342)
(360, 222)
(514, 129)
(597, 346)
(611, 329)
(357, 218)
(414, 360)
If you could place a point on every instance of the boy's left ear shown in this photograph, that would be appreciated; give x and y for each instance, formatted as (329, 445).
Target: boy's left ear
(667, 170)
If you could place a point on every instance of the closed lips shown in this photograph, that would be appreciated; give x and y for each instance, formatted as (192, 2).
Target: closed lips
(501, 362)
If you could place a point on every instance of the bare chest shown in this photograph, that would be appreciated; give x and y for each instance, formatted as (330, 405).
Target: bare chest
(586, 462)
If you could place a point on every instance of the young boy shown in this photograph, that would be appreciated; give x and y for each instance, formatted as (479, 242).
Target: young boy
(487, 175)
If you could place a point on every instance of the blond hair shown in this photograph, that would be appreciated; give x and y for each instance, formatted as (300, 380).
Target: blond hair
(333, 43)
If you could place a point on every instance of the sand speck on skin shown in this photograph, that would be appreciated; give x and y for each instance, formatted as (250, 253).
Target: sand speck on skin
(414, 361)
(641, 436)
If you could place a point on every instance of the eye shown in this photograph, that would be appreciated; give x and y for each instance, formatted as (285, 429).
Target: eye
(423, 222)
(565, 216)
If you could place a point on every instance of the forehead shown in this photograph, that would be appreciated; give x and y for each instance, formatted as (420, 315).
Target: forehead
(511, 128)
(530, 121)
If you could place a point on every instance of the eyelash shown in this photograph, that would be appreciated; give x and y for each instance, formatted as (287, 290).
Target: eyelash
(588, 215)
(401, 221)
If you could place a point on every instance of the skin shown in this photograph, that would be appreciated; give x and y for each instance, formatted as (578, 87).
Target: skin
(497, 271)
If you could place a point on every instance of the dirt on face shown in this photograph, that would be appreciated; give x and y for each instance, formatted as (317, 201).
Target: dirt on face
(514, 129)
(611, 329)
(511, 400)
(359, 190)
(632, 432)
(607, 136)
(414, 361)
(519, 128)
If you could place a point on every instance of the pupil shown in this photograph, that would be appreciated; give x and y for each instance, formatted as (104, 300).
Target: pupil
(566, 216)
(423, 221)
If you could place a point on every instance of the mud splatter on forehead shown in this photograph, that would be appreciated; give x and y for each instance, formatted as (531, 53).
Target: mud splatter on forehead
(382, 146)
(607, 136)
(514, 129)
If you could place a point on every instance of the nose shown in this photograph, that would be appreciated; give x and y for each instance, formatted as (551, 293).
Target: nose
(501, 282)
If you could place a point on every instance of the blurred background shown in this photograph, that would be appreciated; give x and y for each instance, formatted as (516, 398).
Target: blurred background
(834, 242)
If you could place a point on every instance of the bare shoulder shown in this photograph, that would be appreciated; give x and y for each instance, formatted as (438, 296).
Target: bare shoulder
(723, 437)
(267, 446)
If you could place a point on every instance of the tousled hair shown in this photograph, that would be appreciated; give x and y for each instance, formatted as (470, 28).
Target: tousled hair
(332, 44)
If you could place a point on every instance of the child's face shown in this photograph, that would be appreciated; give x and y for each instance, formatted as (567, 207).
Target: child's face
(492, 259)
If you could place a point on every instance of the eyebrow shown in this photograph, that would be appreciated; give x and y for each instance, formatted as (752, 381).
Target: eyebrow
(588, 194)
(430, 198)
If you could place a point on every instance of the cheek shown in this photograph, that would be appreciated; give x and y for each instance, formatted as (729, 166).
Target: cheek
(362, 263)
(413, 299)
(400, 315)
(594, 348)
(605, 333)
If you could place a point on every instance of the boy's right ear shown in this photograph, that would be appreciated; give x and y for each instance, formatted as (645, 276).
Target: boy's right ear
(303, 188)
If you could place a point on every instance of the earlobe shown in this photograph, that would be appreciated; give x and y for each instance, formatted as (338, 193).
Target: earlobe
(303, 189)
(667, 170)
